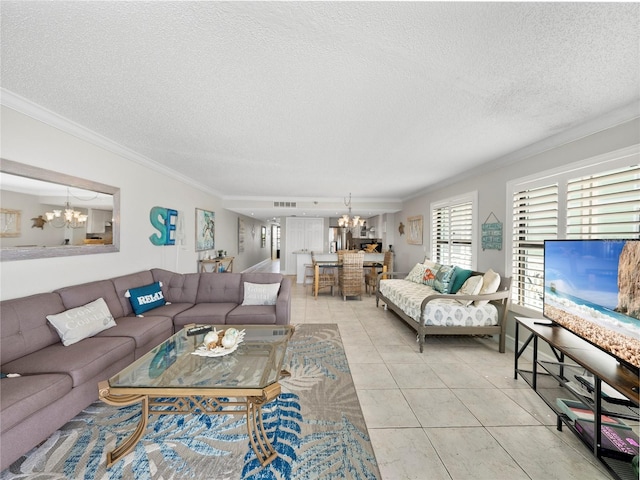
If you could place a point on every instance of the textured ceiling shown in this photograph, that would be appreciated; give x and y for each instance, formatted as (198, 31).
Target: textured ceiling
(313, 100)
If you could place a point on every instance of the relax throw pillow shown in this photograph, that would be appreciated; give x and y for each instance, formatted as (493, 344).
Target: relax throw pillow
(260, 293)
(82, 322)
(490, 284)
(145, 298)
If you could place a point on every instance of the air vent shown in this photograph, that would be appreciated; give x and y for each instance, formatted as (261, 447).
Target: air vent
(284, 204)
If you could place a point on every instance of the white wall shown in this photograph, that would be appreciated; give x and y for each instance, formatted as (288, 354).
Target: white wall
(490, 183)
(32, 142)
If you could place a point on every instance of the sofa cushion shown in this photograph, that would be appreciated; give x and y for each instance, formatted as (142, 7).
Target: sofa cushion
(177, 287)
(252, 315)
(25, 328)
(82, 361)
(23, 396)
(219, 287)
(141, 330)
(205, 313)
(126, 282)
(78, 295)
(83, 322)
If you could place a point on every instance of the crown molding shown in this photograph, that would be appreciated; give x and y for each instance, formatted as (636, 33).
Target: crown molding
(27, 107)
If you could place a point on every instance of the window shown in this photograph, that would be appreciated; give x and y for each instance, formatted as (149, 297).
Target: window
(452, 231)
(595, 199)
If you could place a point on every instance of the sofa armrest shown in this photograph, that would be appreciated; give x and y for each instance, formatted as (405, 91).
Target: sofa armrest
(283, 302)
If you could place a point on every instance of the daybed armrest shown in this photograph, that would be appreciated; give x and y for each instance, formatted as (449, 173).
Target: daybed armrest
(392, 275)
(501, 295)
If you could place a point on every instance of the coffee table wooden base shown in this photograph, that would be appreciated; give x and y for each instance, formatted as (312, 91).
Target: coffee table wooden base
(250, 406)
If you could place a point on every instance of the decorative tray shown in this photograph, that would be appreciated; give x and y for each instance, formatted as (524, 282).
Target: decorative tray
(203, 351)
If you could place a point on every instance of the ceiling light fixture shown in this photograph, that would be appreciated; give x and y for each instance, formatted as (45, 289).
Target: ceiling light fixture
(346, 221)
(70, 218)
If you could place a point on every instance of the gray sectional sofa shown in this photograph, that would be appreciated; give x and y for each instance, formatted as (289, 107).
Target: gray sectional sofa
(56, 382)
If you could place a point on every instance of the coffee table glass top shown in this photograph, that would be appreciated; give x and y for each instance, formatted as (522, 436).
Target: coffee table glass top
(256, 363)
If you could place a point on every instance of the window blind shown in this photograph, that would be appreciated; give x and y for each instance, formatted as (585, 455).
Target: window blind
(605, 205)
(452, 234)
(535, 218)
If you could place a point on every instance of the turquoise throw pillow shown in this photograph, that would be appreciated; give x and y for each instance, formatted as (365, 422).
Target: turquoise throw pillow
(443, 279)
(461, 276)
(146, 298)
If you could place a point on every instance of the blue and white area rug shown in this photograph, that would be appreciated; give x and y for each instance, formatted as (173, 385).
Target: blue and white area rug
(316, 425)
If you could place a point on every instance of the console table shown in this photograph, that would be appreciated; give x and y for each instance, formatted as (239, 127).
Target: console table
(560, 379)
(225, 262)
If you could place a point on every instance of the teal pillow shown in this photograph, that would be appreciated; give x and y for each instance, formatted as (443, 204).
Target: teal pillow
(461, 276)
(146, 298)
(442, 282)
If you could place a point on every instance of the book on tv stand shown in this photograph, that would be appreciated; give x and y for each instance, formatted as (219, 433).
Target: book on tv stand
(616, 442)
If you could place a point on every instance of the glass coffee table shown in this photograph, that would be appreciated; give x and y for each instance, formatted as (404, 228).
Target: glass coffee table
(171, 379)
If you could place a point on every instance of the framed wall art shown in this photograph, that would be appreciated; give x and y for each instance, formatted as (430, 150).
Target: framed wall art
(205, 230)
(241, 234)
(414, 233)
(10, 222)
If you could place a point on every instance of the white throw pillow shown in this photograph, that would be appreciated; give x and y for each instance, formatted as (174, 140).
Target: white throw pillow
(260, 293)
(82, 322)
(490, 284)
(471, 286)
(416, 274)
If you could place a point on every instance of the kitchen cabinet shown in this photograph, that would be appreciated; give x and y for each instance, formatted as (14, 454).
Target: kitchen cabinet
(97, 220)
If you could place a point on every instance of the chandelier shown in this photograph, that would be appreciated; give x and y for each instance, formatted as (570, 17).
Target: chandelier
(70, 218)
(347, 221)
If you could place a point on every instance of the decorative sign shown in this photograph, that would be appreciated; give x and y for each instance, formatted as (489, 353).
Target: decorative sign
(205, 230)
(162, 220)
(492, 234)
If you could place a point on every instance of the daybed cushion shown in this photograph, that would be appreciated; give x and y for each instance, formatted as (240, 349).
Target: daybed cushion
(24, 396)
(82, 361)
(408, 296)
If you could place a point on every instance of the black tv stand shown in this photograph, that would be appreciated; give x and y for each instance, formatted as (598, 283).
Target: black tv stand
(580, 372)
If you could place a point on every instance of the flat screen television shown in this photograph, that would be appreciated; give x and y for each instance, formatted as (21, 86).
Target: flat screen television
(592, 288)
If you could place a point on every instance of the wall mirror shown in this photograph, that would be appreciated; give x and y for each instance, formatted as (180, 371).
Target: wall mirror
(49, 214)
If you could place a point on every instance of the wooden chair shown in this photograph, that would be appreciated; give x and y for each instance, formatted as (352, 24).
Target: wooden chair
(371, 278)
(325, 277)
(350, 275)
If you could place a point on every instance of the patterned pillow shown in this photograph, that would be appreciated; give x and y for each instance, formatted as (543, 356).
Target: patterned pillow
(416, 274)
(444, 279)
(472, 286)
(429, 276)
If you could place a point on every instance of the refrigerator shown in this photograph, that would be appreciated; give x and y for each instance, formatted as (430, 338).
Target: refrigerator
(337, 239)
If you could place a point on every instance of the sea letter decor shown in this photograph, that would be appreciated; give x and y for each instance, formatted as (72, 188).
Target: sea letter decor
(162, 220)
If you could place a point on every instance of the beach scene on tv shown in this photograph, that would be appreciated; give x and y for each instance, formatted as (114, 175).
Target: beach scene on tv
(593, 289)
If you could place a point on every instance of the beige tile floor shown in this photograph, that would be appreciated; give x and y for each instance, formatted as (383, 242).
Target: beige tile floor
(453, 412)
